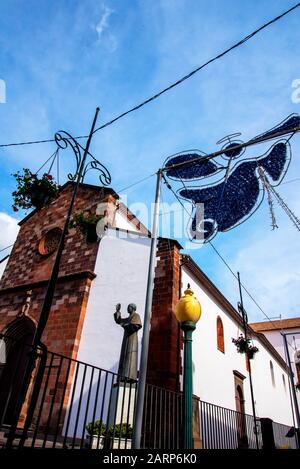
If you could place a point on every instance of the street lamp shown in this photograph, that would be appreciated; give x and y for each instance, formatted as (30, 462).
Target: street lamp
(188, 312)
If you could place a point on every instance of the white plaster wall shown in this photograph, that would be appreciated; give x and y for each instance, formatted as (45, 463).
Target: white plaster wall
(276, 340)
(213, 378)
(122, 270)
(121, 222)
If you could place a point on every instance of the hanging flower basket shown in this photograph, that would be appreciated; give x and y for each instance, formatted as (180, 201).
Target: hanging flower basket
(251, 351)
(33, 191)
(243, 346)
(86, 225)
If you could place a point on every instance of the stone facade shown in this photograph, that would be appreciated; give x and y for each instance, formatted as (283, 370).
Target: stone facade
(164, 362)
(28, 269)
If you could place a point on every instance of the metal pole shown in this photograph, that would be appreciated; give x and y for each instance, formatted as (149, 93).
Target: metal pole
(291, 374)
(137, 427)
(55, 270)
(48, 298)
(250, 374)
(188, 327)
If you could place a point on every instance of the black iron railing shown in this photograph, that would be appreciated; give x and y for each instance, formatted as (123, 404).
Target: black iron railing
(162, 421)
(284, 436)
(223, 428)
(66, 402)
(72, 404)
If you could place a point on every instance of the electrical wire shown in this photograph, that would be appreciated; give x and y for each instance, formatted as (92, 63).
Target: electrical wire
(243, 286)
(173, 85)
(101, 200)
(7, 247)
(289, 182)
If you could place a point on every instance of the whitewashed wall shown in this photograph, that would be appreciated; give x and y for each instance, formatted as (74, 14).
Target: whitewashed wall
(276, 340)
(213, 377)
(122, 223)
(121, 269)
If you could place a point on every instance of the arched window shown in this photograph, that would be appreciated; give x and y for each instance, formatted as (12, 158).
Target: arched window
(272, 373)
(220, 335)
(284, 385)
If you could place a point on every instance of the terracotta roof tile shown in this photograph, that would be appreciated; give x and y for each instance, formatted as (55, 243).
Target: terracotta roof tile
(276, 325)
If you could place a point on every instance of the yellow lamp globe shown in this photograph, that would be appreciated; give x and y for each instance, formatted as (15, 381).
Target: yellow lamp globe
(188, 307)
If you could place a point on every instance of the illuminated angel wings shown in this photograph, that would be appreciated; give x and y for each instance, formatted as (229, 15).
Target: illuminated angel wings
(231, 199)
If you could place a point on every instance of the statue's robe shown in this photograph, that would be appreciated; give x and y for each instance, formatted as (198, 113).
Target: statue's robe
(129, 352)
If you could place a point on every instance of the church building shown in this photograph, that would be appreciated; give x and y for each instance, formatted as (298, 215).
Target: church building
(96, 276)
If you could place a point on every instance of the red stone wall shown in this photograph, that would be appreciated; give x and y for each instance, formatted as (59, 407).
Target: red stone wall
(164, 364)
(28, 270)
(65, 322)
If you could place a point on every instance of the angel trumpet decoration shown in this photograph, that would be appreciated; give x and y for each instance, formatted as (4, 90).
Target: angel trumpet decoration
(231, 199)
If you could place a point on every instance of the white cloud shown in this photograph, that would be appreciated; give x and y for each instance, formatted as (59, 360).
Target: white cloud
(9, 229)
(102, 28)
(102, 24)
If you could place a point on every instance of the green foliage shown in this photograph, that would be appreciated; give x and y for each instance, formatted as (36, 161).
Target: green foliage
(120, 431)
(84, 223)
(96, 428)
(33, 191)
(243, 345)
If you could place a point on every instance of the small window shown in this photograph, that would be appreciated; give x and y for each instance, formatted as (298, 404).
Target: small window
(272, 373)
(284, 385)
(220, 335)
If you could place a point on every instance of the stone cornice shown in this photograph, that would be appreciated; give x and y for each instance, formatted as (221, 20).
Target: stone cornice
(63, 278)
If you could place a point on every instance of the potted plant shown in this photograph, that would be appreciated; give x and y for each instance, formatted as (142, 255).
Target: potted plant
(86, 225)
(252, 349)
(243, 346)
(241, 343)
(96, 434)
(120, 435)
(33, 191)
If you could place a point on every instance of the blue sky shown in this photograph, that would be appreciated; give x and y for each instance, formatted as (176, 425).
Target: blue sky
(60, 60)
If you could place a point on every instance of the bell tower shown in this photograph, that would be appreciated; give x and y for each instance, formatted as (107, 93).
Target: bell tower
(31, 260)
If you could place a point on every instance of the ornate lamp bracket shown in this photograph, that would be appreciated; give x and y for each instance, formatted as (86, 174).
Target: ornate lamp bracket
(63, 140)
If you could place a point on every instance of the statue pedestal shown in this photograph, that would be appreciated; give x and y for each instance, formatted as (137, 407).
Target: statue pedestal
(122, 402)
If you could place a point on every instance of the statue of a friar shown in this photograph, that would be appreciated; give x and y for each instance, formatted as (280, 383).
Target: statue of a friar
(129, 351)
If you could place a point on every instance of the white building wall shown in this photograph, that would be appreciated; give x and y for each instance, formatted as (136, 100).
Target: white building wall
(121, 269)
(121, 222)
(213, 377)
(276, 340)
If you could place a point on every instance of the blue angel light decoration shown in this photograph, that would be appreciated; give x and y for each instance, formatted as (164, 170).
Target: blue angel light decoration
(231, 199)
